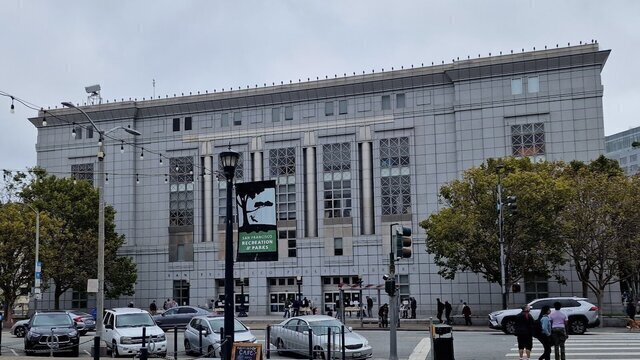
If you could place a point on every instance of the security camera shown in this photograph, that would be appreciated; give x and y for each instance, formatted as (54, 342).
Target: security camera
(385, 277)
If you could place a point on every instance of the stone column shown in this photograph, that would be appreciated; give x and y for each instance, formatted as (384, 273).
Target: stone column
(208, 198)
(310, 192)
(367, 189)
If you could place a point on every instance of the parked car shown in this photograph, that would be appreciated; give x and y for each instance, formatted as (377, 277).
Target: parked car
(582, 314)
(123, 332)
(49, 330)
(178, 316)
(19, 329)
(293, 335)
(209, 326)
(84, 321)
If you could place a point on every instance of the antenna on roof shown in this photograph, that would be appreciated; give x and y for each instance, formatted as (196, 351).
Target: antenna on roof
(94, 97)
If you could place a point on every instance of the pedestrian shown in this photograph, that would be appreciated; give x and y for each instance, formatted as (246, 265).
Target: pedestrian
(414, 306)
(130, 304)
(383, 314)
(558, 330)
(404, 309)
(296, 307)
(466, 312)
(338, 315)
(524, 332)
(369, 306)
(287, 305)
(545, 332)
(173, 303)
(631, 309)
(153, 308)
(166, 305)
(440, 310)
(447, 311)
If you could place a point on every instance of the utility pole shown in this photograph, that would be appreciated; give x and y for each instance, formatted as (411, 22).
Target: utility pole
(503, 279)
(393, 341)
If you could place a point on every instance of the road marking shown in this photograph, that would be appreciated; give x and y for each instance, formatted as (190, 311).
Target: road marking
(421, 351)
(14, 352)
(88, 353)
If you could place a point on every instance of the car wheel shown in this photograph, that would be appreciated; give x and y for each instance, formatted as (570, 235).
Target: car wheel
(20, 331)
(211, 351)
(318, 353)
(187, 347)
(114, 350)
(509, 326)
(162, 354)
(577, 326)
(280, 346)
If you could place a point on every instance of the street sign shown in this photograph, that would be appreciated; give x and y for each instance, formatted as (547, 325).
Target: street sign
(92, 285)
(39, 266)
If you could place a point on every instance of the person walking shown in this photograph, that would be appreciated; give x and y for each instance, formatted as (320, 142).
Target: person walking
(383, 313)
(545, 332)
(447, 311)
(167, 304)
(414, 306)
(338, 313)
(466, 312)
(631, 309)
(287, 305)
(440, 307)
(296, 307)
(369, 306)
(524, 332)
(558, 330)
(153, 308)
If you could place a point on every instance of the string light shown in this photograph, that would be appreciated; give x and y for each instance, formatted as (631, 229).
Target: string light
(106, 177)
(160, 159)
(137, 179)
(73, 131)
(142, 154)
(13, 108)
(166, 178)
(100, 141)
(44, 120)
(121, 146)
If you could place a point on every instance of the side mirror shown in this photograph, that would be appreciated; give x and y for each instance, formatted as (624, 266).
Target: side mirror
(204, 332)
(305, 332)
(350, 328)
(108, 326)
(248, 328)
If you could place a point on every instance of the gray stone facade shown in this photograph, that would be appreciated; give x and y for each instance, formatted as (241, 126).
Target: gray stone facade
(620, 147)
(361, 152)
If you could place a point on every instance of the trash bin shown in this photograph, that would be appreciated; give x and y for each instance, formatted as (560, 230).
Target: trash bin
(442, 342)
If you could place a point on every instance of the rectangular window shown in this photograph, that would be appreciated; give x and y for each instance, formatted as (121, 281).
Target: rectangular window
(535, 287)
(181, 292)
(78, 132)
(176, 124)
(288, 112)
(337, 246)
(224, 121)
(237, 118)
(633, 158)
(342, 107)
(395, 172)
(386, 102)
(82, 172)
(328, 108)
(180, 252)
(290, 237)
(188, 123)
(78, 299)
(282, 169)
(527, 140)
(516, 86)
(90, 133)
(400, 102)
(533, 84)
(275, 114)
(181, 195)
(336, 168)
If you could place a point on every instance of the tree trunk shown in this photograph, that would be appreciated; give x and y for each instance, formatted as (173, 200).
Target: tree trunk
(585, 290)
(57, 294)
(599, 300)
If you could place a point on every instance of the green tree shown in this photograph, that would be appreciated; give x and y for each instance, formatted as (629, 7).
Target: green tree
(464, 235)
(600, 224)
(69, 256)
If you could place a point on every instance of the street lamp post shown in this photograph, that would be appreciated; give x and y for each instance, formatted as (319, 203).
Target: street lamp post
(360, 302)
(299, 283)
(229, 160)
(101, 154)
(503, 279)
(242, 312)
(36, 283)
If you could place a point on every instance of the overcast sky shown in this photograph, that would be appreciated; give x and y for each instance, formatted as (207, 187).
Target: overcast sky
(51, 50)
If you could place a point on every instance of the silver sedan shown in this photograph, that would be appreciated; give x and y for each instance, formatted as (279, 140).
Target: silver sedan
(293, 335)
(202, 335)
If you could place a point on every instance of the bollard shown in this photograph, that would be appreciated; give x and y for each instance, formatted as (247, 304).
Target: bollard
(200, 340)
(96, 347)
(144, 355)
(175, 342)
(1, 327)
(310, 343)
(329, 343)
(342, 345)
(267, 342)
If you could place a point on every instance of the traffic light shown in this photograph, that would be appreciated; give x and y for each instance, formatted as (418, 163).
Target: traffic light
(390, 286)
(512, 205)
(403, 242)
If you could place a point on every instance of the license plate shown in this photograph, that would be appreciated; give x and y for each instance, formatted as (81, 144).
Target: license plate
(356, 354)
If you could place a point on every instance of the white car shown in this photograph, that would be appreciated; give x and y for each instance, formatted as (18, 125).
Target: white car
(582, 314)
(202, 335)
(123, 332)
(19, 329)
(293, 335)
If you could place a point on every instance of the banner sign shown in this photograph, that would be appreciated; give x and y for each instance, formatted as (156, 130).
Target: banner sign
(257, 230)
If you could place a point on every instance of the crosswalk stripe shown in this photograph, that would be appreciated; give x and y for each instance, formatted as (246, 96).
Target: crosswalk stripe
(592, 347)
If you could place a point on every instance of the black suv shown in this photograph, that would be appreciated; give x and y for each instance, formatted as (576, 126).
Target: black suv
(52, 331)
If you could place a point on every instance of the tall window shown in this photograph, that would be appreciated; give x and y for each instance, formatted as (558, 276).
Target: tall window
(535, 287)
(188, 122)
(342, 107)
(336, 167)
(237, 118)
(275, 114)
(288, 112)
(78, 299)
(400, 101)
(533, 84)
(395, 181)
(386, 102)
(328, 108)
(527, 139)
(82, 172)
(176, 124)
(337, 247)
(222, 191)
(181, 191)
(290, 237)
(282, 167)
(224, 120)
(181, 292)
(516, 86)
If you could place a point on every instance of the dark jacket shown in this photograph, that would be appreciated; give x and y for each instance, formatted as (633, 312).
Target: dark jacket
(524, 325)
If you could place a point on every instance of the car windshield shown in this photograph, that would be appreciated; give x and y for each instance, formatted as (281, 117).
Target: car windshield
(52, 320)
(134, 320)
(216, 324)
(322, 327)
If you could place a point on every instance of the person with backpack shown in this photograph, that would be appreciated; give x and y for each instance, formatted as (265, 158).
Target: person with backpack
(559, 330)
(466, 312)
(542, 331)
(524, 332)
